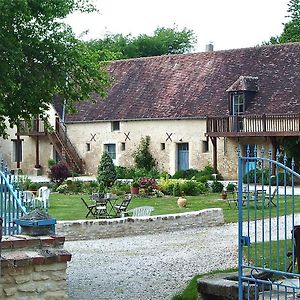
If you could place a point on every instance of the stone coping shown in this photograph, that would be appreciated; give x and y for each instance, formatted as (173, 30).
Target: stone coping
(142, 219)
(110, 228)
(25, 241)
(21, 250)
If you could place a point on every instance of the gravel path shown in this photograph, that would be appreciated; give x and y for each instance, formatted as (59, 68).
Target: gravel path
(148, 266)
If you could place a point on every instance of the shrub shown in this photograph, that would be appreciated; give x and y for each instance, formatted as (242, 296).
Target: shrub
(59, 172)
(231, 187)
(63, 188)
(189, 187)
(217, 187)
(120, 188)
(149, 184)
(142, 157)
(23, 183)
(192, 187)
(176, 190)
(106, 173)
(51, 163)
(91, 186)
(179, 174)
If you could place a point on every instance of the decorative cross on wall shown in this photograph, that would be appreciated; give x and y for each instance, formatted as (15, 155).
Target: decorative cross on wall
(127, 136)
(93, 137)
(169, 136)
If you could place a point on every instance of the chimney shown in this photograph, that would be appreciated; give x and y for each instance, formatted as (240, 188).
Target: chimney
(209, 47)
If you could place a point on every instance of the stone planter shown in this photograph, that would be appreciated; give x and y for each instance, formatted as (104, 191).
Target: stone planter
(181, 202)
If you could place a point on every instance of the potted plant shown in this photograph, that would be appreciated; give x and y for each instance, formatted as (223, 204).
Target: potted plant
(135, 187)
(224, 195)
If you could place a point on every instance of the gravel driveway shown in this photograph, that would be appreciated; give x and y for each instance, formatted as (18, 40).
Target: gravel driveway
(148, 266)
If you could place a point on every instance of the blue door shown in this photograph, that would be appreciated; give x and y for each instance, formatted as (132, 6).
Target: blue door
(183, 156)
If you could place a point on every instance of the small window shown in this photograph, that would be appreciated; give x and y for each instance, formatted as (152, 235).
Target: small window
(17, 150)
(205, 146)
(111, 150)
(115, 125)
(162, 146)
(88, 147)
(122, 146)
(237, 103)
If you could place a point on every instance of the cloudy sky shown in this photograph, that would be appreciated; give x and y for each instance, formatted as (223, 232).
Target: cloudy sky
(227, 23)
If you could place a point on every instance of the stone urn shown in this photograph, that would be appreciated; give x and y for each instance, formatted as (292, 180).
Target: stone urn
(181, 202)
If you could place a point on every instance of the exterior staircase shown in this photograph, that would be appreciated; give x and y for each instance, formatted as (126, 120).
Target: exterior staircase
(65, 148)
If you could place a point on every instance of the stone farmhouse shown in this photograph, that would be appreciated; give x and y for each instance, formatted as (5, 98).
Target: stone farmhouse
(196, 108)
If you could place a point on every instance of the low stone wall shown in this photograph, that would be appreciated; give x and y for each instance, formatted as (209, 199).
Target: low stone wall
(106, 228)
(33, 268)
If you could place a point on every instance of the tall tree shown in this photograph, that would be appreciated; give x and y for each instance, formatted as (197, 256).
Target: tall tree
(163, 41)
(40, 57)
(291, 30)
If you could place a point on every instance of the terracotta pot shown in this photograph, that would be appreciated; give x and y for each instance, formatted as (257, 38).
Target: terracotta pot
(224, 196)
(134, 190)
(182, 202)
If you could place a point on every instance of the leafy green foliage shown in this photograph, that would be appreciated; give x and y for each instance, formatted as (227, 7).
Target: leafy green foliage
(40, 57)
(202, 175)
(258, 176)
(176, 190)
(188, 187)
(143, 157)
(291, 30)
(217, 187)
(231, 187)
(106, 173)
(163, 41)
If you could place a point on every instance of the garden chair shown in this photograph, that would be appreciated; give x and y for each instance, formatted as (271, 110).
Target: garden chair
(141, 211)
(91, 208)
(42, 200)
(101, 205)
(121, 208)
(28, 198)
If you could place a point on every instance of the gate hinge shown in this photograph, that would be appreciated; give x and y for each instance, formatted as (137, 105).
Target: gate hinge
(245, 240)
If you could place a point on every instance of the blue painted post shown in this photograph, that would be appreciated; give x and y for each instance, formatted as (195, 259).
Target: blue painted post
(240, 225)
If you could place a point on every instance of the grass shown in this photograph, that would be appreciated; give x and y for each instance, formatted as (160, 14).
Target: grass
(70, 207)
(190, 291)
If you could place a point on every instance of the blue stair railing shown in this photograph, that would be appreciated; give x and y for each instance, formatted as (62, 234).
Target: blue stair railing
(11, 202)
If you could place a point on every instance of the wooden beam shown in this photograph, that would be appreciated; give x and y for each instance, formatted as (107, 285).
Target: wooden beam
(215, 156)
(37, 147)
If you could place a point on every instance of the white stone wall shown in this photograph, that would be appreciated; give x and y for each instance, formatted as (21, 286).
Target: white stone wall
(182, 131)
(106, 228)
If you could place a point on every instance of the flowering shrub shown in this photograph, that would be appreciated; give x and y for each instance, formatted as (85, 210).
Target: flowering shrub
(59, 172)
(149, 184)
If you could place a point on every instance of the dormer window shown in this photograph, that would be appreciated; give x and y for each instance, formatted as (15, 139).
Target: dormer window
(237, 103)
(241, 91)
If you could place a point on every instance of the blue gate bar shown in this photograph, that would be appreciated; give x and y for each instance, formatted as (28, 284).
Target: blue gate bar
(266, 228)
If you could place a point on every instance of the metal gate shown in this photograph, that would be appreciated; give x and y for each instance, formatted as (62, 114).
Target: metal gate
(11, 204)
(269, 227)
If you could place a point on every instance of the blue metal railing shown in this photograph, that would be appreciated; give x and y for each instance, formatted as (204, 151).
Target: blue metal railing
(11, 203)
(267, 251)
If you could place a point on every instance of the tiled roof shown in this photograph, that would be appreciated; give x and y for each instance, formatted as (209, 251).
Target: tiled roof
(195, 85)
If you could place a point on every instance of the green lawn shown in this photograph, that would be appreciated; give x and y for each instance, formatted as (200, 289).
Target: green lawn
(70, 207)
